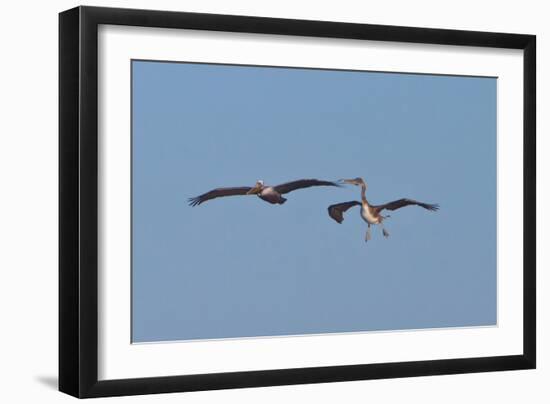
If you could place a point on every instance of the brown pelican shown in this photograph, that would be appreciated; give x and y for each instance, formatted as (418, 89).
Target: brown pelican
(271, 194)
(372, 213)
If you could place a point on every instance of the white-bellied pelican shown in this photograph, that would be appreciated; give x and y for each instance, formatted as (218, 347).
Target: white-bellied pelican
(372, 213)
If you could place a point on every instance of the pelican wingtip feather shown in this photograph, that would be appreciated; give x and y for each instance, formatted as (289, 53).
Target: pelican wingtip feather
(194, 201)
(434, 207)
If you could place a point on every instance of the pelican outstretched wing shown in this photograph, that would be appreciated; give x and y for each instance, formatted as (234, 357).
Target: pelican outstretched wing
(337, 210)
(294, 185)
(400, 203)
(217, 193)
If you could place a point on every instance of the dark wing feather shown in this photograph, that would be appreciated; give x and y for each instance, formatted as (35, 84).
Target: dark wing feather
(337, 210)
(294, 185)
(400, 203)
(217, 193)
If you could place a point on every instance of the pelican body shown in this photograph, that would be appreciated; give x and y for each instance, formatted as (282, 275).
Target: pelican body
(267, 193)
(270, 194)
(368, 213)
(371, 214)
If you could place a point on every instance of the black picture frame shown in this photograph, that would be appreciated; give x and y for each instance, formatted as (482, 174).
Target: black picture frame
(78, 201)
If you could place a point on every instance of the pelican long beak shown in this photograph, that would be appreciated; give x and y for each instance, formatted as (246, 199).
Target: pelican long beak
(346, 181)
(254, 190)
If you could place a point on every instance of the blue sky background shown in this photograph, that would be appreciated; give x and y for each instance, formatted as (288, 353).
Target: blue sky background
(240, 267)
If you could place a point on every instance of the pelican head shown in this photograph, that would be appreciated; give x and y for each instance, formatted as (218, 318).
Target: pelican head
(256, 188)
(355, 181)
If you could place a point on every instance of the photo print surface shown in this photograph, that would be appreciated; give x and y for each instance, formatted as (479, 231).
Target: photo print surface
(265, 253)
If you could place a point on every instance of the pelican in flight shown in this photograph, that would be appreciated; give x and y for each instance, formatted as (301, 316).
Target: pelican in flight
(271, 194)
(372, 213)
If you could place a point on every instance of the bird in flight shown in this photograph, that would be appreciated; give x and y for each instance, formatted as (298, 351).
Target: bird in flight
(271, 194)
(372, 213)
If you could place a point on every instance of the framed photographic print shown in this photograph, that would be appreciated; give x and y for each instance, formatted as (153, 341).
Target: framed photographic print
(250, 201)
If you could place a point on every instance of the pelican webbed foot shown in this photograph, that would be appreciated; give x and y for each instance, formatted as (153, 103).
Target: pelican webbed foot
(367, 236)
(385, 232)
